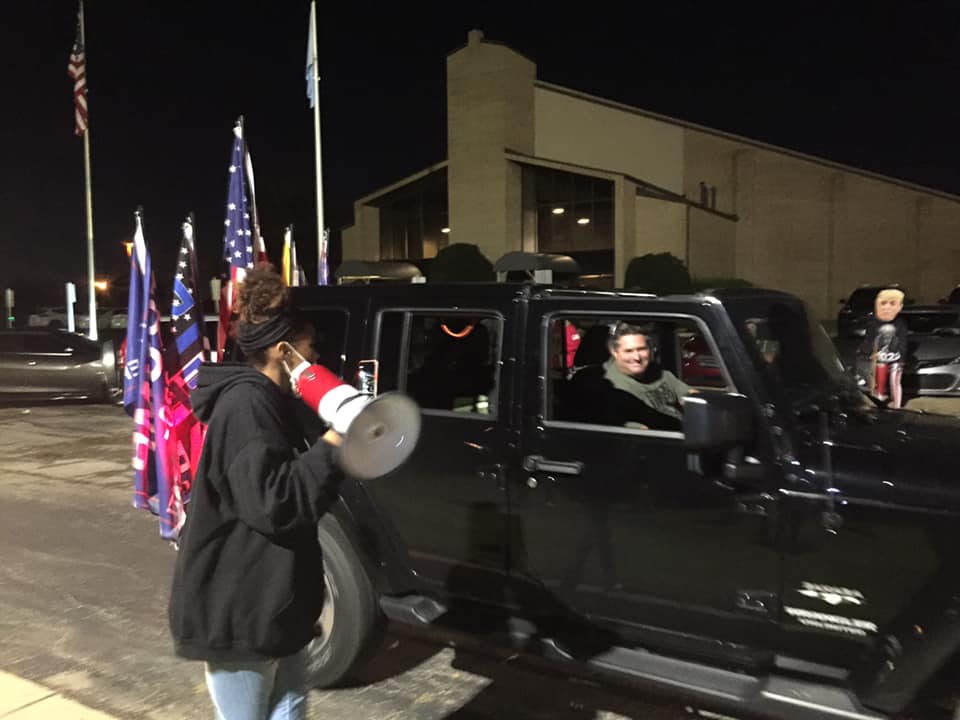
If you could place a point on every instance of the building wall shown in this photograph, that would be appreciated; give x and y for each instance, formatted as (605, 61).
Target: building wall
(577, 131)
(489, 109)
(361, 241)
(818, 230)
(801, 225)
(711, 244)
(661, 226)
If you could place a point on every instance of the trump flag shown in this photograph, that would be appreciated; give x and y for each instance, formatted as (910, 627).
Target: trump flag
(143, 386)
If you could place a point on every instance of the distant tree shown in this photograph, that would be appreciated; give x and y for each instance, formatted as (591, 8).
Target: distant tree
(659, 273)
(461, 262)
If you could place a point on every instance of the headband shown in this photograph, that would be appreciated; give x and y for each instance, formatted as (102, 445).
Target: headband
(257, 336)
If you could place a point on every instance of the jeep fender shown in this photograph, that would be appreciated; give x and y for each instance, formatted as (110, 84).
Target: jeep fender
(370, 534)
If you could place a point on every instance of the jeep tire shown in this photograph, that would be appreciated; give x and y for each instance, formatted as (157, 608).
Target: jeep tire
(351, 626)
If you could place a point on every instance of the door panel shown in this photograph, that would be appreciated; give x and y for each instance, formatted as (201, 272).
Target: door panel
(631, 532)
(456, 532)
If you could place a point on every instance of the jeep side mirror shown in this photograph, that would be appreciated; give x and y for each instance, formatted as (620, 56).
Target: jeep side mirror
(717, 421)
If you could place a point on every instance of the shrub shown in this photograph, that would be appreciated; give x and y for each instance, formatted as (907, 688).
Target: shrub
(461, 262)
(659, 273)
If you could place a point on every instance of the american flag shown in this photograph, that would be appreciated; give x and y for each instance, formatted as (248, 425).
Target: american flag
(77, 70)
(144, 385)
(184, 354)
(238, 250)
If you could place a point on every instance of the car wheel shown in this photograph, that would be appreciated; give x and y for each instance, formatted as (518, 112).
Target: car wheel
(351, 626)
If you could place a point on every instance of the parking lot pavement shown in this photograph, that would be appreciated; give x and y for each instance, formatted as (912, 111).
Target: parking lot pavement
(83, 594)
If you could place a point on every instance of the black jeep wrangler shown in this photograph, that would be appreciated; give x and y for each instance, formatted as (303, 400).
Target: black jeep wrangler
(790, 551)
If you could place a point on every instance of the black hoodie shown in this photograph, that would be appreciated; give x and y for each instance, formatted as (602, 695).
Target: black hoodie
(248, 582)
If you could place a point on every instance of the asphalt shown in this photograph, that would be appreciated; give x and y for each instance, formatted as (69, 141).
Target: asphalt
(84, 579)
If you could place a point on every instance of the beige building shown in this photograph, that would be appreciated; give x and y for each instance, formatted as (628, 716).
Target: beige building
(539, 167)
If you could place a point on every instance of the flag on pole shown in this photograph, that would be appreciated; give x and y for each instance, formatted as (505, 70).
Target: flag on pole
(77, 70)
(323, 276)
(144, 387)
(184, 354)
(290, 270)
(312, 56)
(259, 249)
(238, 251)
(285, 259)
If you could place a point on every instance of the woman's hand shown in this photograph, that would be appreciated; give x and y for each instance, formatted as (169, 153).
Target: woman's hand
(333, 437)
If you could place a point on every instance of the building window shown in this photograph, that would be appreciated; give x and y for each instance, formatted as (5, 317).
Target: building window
(570, 213)
(413, 219)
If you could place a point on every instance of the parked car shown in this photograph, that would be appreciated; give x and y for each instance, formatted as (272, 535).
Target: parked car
(55, 365)
(789, 553)
(855, 311)
(933, 362)
(56, 318)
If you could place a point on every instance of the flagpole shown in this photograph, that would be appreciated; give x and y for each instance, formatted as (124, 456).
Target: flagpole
(316, 139)
(92, 306)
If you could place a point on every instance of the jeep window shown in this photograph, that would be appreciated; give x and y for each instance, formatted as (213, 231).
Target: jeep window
(791, 351)
(682, 353)
(443, 361)
(331, 340)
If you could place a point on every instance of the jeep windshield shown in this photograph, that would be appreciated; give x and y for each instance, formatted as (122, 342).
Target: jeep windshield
(792, 352)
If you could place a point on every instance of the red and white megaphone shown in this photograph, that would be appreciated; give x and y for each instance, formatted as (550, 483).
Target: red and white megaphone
(379, 433)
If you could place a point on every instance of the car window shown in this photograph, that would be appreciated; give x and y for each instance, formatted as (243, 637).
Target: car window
(589, 384)
(443, 361)
(50, 344)
(862, 299)
(928, 322)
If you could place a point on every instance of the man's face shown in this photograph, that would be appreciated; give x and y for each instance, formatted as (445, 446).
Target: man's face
(631, 354)
(887, 307)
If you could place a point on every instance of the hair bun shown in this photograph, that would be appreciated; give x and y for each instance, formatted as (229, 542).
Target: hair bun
(262, 295)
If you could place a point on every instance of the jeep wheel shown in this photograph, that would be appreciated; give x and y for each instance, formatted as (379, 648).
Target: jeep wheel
(351, 625)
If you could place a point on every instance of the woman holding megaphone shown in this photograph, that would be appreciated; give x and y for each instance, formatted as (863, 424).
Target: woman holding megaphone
(248, 583)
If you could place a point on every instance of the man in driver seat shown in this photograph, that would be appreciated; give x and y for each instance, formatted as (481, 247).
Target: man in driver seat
(630, 389)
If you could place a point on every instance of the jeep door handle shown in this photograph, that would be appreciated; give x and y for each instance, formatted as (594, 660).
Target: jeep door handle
(538, 463)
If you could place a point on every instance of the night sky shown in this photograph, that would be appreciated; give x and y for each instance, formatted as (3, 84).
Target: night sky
(873, 85)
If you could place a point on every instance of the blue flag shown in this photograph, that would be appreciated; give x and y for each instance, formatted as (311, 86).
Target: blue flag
(136, 370)
(187, 349)
(144, 388)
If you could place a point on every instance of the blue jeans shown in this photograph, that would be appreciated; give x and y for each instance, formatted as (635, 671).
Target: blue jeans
(259, 690)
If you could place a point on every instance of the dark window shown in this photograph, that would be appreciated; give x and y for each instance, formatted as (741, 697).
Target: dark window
(50, 344)
(929, 322)
(445, 362)
(331, 341)
(571, 213)
(413, 219)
